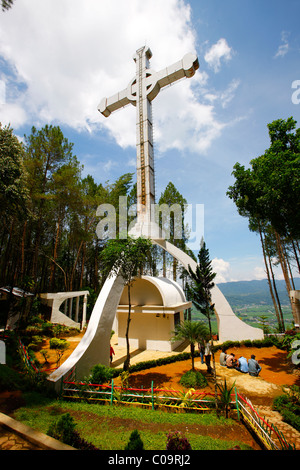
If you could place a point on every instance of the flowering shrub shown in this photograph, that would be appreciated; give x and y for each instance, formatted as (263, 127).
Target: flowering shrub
(176, 441)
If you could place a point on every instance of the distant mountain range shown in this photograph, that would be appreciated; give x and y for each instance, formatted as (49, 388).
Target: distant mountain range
(242, 293)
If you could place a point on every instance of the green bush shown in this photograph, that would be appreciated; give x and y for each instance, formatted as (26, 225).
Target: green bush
(63, 330)
(36, 343)
(33, 330)
(101, 374)
(10, 379)
(291, 418)
(56, 343)
(193, 379)
(64, 430)
(257, 343)
(159, 362)
(288, 405)
(47, 329)
(135, 442)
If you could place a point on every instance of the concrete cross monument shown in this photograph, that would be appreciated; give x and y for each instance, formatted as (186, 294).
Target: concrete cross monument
(140, 92)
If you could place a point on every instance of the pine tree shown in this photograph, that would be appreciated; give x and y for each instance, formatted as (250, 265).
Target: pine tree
(199, 291)
(202, 282)
(135, 442)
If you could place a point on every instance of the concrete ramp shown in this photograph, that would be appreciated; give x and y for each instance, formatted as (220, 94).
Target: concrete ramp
(94, 346)
(230, 327)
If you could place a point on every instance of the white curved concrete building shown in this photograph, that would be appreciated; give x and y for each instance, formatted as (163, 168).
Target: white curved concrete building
(157, 305)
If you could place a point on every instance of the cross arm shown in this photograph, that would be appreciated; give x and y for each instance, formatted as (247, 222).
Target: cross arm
(117, 101)
(185, 67)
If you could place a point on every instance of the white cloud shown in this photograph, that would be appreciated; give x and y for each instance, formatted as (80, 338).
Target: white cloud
(259, 273)
(284, 47)
(2, 92)
(108, 165)
(217, 52)
(222, 97)
(68, 55)
(227, 95)
(222, 269)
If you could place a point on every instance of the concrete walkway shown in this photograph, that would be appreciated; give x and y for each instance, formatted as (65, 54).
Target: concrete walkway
(141, 355)
(289, 433)
(18, 436)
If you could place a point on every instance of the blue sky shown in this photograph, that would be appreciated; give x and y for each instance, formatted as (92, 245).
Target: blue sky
(59, 58)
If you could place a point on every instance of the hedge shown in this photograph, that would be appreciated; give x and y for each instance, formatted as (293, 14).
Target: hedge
(266, 342)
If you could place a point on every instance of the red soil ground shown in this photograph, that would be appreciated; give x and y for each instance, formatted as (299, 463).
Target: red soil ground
(276, 372)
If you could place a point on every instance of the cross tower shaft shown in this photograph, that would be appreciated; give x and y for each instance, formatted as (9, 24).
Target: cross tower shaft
(140, 92)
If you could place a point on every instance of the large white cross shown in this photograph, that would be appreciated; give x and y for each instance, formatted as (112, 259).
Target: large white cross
(140, 92)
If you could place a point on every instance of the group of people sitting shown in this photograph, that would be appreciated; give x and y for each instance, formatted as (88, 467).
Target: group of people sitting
(250, 367)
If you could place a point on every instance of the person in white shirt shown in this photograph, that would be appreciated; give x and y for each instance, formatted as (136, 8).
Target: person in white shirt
(223, 357)
(207, 356)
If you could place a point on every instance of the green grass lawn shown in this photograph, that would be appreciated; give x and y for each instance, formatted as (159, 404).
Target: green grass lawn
(109, 427)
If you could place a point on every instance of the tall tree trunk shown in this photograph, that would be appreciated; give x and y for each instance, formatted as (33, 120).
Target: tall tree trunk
(23, 251)
(279, 314)
(296, 256)
(7, 256)
(283, 262)
(280, 326)
(39, 224)
(285, 274)
(286, 257)
(52, 269)
(164, 264)
(82, 266)
(174, 269)
(127, 360)
(192, 355)
(77, 256)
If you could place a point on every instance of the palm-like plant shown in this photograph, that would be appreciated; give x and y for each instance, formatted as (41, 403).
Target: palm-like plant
(126, 257)
(193, 332)
(225, 396)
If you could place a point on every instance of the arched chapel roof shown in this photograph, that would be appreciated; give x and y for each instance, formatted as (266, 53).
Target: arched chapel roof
(148, 290)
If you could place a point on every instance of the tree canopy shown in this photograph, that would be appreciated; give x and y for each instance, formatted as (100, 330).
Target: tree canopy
(49, 219)
(268, 194)
(6, 4)
(270, 189)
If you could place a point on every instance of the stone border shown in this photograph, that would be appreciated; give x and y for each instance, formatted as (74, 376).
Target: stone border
(37, 438)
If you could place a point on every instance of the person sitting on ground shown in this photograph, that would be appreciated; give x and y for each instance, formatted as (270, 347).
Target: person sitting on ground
(223, 357)
(254, 367)
(243, 365)
(230, 361)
